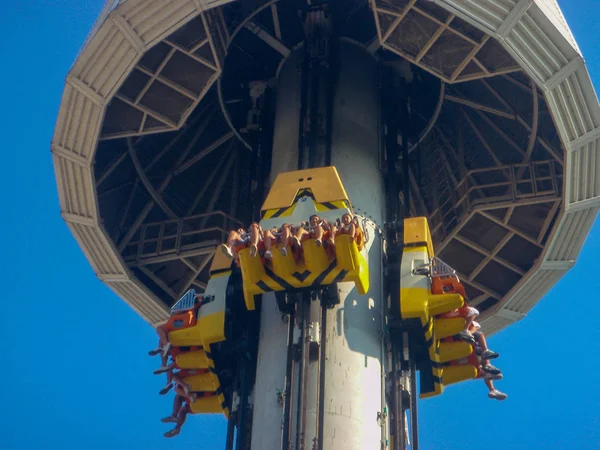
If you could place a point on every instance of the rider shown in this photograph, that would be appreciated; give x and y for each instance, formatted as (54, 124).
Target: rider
(238, 239)
(315, 229)
(281, 236)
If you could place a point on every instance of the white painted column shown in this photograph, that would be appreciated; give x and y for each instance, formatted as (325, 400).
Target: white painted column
(353, 352)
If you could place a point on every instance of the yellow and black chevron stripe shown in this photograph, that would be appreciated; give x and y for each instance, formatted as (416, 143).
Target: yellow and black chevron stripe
(289, 210)
(272, 282)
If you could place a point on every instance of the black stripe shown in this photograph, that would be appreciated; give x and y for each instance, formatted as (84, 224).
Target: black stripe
(426, 326)
(279, 212)
(209, 355)
(219, 391)
(263, 286)
(217, 271)
(324, 274)
(437, 379)
(429, 342)
(437, 365)
(223, 405)
(304, 193)
(301, 276)
(329, 205)
(284, 284)
(340, 276)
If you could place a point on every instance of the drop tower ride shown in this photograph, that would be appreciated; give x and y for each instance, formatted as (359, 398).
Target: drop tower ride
(479, 117)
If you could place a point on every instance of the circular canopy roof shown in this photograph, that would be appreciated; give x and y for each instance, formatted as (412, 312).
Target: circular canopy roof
(149, 139)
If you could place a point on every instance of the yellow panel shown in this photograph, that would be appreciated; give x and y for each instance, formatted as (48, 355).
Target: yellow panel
(315, 257)
(460, 372)
(448, 327)
(449, 351)
(413, 303)
(212, 327)
(443, 303)
(324, 183)
(193, 360)
(346, 252)
(362, 280)
(220, 262)
(416, 231)
(204, 382)
(252, 268)
(187, 337)
(259, 279)
(283, 266)
(207, 405)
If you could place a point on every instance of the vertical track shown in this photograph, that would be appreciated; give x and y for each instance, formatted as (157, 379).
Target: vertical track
(414, 429)
(322, 359)
(303, 372)
(396, 402)
(289, 384)
(241, 436)
(230, 433)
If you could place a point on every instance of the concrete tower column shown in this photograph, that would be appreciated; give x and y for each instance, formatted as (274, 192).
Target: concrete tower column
(353, 368)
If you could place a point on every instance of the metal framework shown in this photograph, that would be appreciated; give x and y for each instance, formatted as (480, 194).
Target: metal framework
(148, 213)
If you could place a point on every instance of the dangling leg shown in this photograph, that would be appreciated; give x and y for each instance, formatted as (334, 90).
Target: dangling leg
(181, 418)
(493, 392)
(163, 344)
(486, 353)
(334, 231)
(299, 237)
(164, 369)
(254, 239)
(269, 240)
(234, 238)
(177, 404)
(317, 234)
(286, 236)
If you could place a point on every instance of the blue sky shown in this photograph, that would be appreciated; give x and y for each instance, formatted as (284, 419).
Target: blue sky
(75, 371)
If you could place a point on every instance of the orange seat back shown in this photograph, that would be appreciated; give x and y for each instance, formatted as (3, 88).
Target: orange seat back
(447, 284)
(180, 320)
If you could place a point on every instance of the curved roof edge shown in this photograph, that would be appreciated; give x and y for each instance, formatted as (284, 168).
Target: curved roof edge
(530, 30)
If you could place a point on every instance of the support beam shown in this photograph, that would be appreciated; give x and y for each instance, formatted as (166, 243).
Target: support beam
(201, 117)
(397, 20)
(276, 25)
(553, 152)
(162, 187)
(510, 227)
(146, 182)
(469, 57)
(271, 41)
(433, 39)
(204, 152)
(206, 248)
(111, 167)
(201, 60)
(209, 182)
(479, 286)
(160, 283)
(479, 106)
(492, 256)
(195, 273)
(481, 138)
(152, 75)
(548, 221)
(225, 176)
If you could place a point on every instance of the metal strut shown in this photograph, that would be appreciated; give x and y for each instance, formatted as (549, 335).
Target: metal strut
(289, 384)
(303, 371)
(321, 394)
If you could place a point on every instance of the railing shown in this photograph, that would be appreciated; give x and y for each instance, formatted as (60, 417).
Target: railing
(186, 237)
(513, 183)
